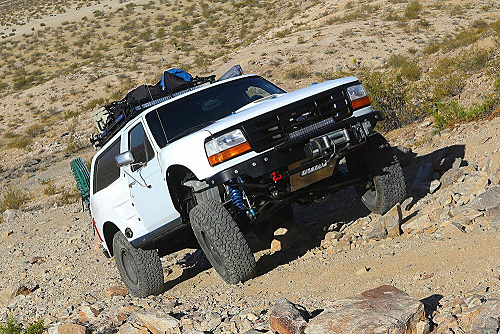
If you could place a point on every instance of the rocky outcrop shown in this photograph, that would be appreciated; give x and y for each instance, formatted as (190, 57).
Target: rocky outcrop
(381, 310)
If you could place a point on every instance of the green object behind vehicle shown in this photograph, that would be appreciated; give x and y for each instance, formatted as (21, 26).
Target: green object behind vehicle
(82, 178)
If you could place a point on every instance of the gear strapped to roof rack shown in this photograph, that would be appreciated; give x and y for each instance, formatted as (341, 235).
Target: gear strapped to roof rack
(115, 115)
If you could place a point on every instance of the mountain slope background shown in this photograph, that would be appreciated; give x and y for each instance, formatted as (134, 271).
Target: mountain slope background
(432, 66)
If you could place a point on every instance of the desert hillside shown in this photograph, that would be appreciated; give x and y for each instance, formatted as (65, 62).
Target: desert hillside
(433, 68)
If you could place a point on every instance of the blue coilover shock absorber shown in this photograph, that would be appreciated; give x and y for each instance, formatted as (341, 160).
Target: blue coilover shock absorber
(238, 198)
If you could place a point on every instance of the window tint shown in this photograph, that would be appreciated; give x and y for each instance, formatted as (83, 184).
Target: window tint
(140, 146)
(176, 118)
(106, 169)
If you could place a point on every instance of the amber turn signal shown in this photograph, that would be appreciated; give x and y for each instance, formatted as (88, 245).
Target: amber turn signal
(229, 153)
(362, 102)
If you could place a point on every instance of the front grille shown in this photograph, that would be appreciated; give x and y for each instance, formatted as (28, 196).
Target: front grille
(298, 120)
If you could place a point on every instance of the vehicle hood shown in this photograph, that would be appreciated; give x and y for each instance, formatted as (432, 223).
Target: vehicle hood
(266, 105)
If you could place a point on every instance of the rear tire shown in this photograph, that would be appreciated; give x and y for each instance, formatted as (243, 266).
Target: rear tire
(140, 269)
(377, 162)
(222, 241)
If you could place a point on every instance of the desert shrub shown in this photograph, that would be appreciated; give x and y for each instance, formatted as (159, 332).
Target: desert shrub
(34, 130)
(68, 197)
(408, 68)
(183, 25)
(13, 199)
(463, 38)
(446, 114)
(282, 33)
(399, 100)
(94, 103)
(3, 85)
(50, 190)
(496, 26)
(298, 72)
(496, 86)
(413, 10)
(23, 142)
(475, 60)
(70, 113)
(456, 10)
(74, 145)
(146, 35)
(160, 33)
(448, 86)
(11, 326)
(10, 135)
(35, 328)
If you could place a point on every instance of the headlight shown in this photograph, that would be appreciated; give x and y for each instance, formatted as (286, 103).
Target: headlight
(226, 147)
(357, 95)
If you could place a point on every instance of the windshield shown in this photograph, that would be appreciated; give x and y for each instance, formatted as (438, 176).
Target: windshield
(198, 110)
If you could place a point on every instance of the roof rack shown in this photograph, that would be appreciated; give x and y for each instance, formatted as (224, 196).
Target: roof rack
(115, 115)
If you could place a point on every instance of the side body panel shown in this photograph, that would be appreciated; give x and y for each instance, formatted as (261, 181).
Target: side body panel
(148, 189)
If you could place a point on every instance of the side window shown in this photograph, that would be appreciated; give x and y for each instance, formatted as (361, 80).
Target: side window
(106, 169)
(140, 146)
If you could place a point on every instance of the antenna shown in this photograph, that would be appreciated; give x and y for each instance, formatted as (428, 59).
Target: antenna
(147, 87)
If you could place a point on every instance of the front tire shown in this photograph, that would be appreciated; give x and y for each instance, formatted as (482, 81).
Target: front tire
(222, 241)
(377, 162)
(140, 269)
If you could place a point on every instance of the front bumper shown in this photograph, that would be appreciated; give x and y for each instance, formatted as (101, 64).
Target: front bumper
(291, 152)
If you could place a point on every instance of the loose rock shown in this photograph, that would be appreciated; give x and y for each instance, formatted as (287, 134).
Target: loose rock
(157, 322)
(487, 200)
(68, 328)
(285, 318)
(113, 291)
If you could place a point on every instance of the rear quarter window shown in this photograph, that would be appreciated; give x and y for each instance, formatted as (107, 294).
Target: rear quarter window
(106, 170)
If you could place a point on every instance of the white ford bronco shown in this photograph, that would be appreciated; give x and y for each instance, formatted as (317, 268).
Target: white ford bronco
(216, 161)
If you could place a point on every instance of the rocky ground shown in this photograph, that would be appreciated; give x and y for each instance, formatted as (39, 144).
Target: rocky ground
(441, 246)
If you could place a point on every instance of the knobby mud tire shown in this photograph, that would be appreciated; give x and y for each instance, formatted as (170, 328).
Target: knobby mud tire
(222, 241)
(140, 269)
(377, 160)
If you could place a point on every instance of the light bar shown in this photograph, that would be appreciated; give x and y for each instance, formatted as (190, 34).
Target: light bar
(311, 128)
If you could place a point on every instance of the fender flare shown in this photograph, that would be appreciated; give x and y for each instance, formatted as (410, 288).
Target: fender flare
(109, 230)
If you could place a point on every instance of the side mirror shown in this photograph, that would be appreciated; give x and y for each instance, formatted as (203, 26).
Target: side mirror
(124, 159)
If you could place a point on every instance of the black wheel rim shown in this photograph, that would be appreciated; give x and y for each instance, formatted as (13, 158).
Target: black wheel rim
(213, 254)
(128, 266)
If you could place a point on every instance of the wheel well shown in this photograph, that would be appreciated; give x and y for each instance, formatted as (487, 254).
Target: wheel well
(109, 230)
(176, 174)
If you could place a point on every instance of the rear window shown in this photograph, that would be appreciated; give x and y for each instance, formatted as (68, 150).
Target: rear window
(106, 170)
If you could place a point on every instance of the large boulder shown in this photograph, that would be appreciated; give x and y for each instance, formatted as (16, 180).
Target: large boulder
(381, 310)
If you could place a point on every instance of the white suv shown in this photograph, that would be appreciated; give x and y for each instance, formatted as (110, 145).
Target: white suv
(223, 158)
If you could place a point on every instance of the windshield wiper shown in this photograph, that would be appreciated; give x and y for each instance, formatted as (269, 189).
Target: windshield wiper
(190, 130)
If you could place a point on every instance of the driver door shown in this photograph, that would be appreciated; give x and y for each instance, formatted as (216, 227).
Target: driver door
(148, 187)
